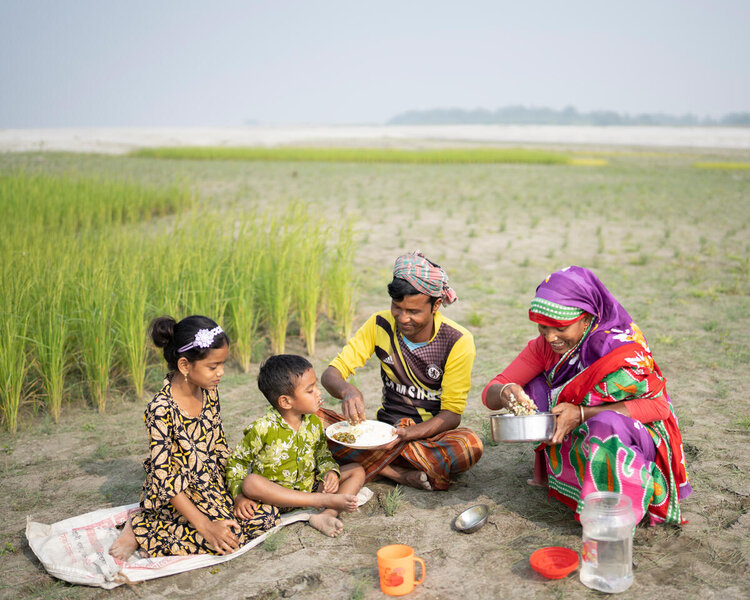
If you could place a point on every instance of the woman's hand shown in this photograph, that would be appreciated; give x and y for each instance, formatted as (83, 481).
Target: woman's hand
(330, 482)
(498, 395)
(244, 507)
(353, 405)
(568, 418)
(221, 535)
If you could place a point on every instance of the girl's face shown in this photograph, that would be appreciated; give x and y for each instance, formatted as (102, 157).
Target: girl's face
(207, 372)
(562, 339)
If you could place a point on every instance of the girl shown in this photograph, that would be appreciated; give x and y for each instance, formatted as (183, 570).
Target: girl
(186, 506)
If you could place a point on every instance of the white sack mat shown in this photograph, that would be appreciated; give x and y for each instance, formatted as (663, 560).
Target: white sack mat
(76, 549)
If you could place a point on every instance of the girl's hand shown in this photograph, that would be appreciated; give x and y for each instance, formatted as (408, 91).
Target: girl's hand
(221, 535)
(568, 418)
(330, 482)
(244, 507)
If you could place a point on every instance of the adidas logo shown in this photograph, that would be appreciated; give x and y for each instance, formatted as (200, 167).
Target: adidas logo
(388, 360)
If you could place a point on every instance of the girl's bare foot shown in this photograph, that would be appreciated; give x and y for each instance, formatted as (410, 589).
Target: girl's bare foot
(341, 502)
(124, 546)
(326, 523)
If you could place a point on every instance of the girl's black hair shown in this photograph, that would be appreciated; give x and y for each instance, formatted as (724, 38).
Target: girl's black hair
(398, 288)
(171, 335)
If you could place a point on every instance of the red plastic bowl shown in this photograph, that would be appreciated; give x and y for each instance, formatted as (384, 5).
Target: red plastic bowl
(554, 562)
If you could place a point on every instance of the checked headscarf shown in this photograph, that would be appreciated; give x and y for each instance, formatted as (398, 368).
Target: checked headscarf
(425, 276)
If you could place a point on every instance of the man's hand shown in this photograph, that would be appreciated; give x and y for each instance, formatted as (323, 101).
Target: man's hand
(353, 406)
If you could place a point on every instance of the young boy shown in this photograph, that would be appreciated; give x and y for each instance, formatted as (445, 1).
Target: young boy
(284, 459)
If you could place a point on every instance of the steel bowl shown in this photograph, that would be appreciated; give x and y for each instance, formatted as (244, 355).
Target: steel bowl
(522, 428)
(472, 518)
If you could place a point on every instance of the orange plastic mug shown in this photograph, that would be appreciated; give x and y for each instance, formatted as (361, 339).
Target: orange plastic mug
(396, 568)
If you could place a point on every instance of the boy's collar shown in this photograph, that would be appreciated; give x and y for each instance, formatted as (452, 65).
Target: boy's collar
(273, 411)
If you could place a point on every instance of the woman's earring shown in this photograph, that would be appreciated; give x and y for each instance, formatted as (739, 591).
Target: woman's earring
(186, 378)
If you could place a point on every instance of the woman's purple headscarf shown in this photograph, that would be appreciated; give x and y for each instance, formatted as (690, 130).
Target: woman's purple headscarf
(579, 287)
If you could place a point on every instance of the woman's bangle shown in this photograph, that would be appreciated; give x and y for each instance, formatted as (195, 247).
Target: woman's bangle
(502, 389)
(580, 406)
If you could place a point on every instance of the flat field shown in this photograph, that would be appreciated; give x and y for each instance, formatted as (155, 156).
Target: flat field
(670, 240)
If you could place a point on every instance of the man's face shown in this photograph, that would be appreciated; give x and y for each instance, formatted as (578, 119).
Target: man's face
(414, 316)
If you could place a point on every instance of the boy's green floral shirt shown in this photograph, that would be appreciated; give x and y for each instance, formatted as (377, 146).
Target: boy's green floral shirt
(273, 449)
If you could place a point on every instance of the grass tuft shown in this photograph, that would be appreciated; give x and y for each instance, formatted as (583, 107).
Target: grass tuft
(393, 500)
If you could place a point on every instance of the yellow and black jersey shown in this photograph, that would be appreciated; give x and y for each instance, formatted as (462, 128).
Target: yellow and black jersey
(420, 382)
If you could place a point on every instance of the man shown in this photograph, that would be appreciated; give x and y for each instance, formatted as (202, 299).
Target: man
(425, 364)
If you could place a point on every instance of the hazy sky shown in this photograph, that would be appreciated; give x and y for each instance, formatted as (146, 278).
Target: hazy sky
(74, 63)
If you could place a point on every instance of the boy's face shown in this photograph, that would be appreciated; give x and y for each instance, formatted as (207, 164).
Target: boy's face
(307, 398)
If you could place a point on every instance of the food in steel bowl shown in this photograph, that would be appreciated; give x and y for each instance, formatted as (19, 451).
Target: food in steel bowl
(523, 405)
(538, 427)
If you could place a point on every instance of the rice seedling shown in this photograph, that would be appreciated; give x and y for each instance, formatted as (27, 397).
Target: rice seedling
(204, 243)
(14, 361)
(95, 328)
(274, 289)
(340, 279)
(131, 318)
(242, 310)
(359, 591)
(392, 501)
(308, 282)
(50, 333)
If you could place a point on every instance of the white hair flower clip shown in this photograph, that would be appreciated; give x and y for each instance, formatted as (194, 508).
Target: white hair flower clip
(203, 339)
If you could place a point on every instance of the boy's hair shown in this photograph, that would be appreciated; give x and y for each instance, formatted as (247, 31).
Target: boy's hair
(278, 376)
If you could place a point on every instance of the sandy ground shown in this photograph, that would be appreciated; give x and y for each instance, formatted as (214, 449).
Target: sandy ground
(491, 228)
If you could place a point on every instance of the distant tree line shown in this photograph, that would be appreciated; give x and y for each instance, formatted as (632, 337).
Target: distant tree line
(521, 115)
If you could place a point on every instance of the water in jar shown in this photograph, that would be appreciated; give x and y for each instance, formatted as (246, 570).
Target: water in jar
(606, 563)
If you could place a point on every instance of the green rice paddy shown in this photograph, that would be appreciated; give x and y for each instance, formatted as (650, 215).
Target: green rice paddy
(361, 155)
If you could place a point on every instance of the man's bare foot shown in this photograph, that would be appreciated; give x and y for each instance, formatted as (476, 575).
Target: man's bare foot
(340, 502)
(417, 479)
(326, 523)
(404, 476)
(124, 546)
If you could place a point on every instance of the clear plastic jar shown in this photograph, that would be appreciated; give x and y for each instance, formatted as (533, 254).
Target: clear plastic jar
(608, 524)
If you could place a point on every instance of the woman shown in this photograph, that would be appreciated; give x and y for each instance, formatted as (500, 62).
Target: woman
(591, 366)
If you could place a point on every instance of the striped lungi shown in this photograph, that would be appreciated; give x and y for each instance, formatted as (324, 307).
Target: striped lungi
(440, 457)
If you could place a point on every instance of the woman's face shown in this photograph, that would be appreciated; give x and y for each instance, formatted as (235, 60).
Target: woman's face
(562, 339)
